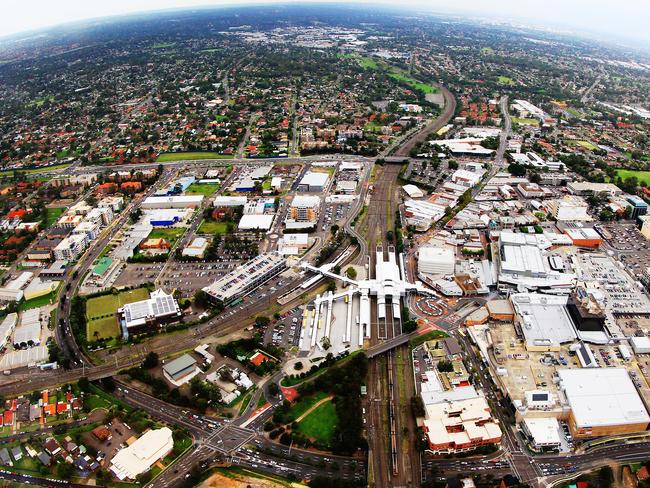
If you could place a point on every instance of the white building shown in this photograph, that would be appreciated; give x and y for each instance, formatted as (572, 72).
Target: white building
(570, 208)
(543, 432)
(313, 182)
(180, 201)
(196, 248)
(303, 212)
(158, 307)
(413, 191)
(246, 278)
(140, 456)
(436, 260)
(70, 248)
(229, 201)
(256, 222)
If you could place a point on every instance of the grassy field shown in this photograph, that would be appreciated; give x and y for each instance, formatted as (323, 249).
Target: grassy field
(304, 404)
(505, 80)
(212, 227)
(575, 112)
(411, 82)
(53, 214)
(101, 312)
(163, 45)
(585, 144)
(182, 156)
(202, 189)
(641, 175)
(320, 424)
(517, 120)
(421, 339)
(487, 50)
(171, 234)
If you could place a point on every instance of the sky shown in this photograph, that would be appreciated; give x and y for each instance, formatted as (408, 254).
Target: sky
(625, 19)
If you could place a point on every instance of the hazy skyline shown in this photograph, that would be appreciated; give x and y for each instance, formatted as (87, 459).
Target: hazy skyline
(622, 19)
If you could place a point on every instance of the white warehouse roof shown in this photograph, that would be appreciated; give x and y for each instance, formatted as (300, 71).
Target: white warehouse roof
(254, 221)
(602, 397)
(138, 458)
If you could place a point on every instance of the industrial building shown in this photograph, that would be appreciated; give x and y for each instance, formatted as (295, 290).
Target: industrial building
(180, 201)
(256, 222)
(140, 456)
(313, 182)
(603, 401)
(139, 316)
(436, 260)
(413, 191)
(180, 370)
(246, 278)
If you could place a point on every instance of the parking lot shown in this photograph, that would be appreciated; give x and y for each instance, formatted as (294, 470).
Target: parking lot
(332, 214)
(136, 274)
(120, 433)
(285, 332)
(189, 277)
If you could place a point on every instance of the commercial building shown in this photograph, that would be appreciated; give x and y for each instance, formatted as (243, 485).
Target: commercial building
(544, 320)
(639, 206)
(28, 333)
(570, 207)
(246, 278)
(524, 260)
(303, 212)
(436, 260)
(460, 425)
(533, 190)
(543, 432)
(603, 401)
(181, 369)
(313, 182)
(293, 244)
(640, 345)
(180, 201)
(584, 237)
(157, 309)
(586, 188)
(140, 456)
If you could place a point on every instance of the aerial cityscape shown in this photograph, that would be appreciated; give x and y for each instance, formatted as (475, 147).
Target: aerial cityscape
(323, 245)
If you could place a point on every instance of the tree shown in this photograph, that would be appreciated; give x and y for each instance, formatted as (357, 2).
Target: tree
(351, 273)
(151, 361)
(262, 321)
(516, 169)
(274, 389)
(201, 299)
(445, 366)
(453, 164)
(84, 384)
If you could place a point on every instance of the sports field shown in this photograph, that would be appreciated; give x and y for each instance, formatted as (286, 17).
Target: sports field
(182, 156)
(101, 318)
(641, 175)
(505, 80)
